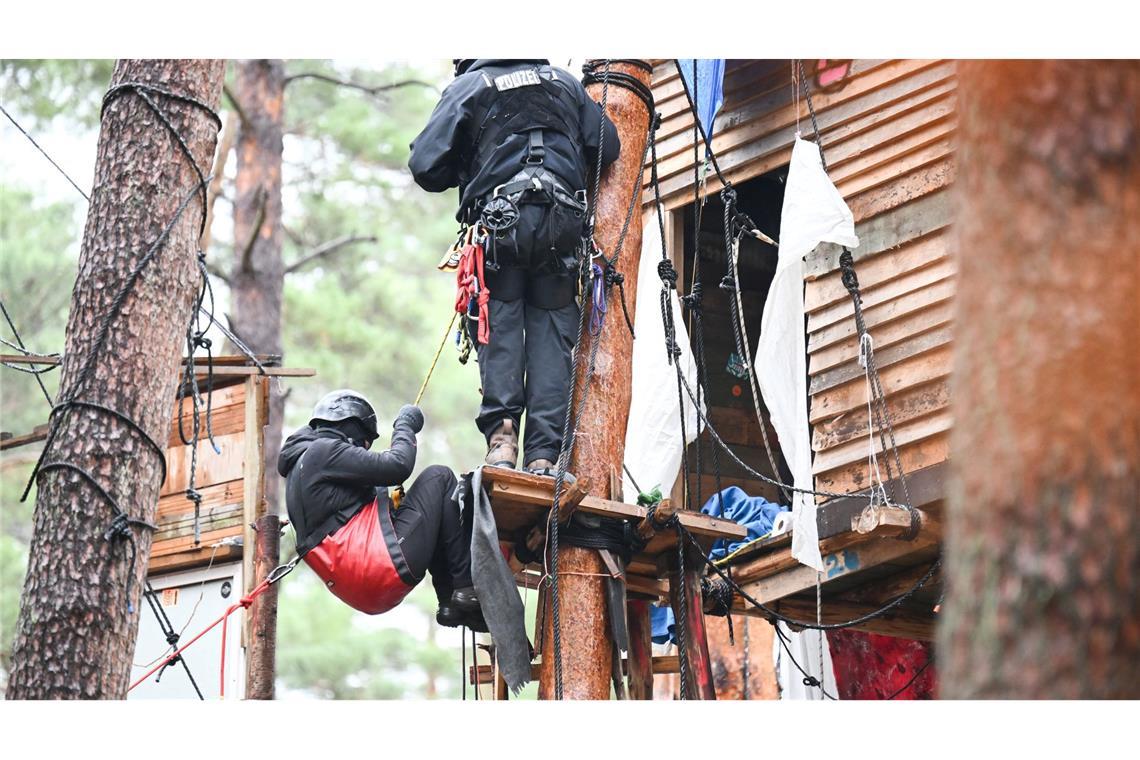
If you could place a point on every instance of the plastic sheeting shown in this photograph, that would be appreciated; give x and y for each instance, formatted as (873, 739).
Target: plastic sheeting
(653, 433)
(709, 85)
(814, 212)
(805, 648)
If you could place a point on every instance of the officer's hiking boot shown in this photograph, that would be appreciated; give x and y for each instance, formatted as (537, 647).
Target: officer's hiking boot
(503, 447)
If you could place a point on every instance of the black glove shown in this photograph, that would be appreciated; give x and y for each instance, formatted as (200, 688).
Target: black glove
(411, 415)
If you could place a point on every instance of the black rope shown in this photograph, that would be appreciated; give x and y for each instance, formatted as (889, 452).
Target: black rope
(45, 153)
(568, 435)
(171, 637)
(121, 523)
(913, 678)
(22, 348)
(808, 679)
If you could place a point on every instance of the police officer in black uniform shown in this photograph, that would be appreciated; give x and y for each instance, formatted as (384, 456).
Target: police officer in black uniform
(519, 139)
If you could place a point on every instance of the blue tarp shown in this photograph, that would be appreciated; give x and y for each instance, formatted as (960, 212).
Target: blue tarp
(754, 512)
(709, 87)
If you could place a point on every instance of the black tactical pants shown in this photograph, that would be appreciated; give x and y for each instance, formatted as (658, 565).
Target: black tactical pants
(526, 364)
(431, 534)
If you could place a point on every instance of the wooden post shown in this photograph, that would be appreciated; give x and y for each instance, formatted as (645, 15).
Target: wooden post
(253, 509)
(640, 650)
(696, 649)
(586, 646)
(261, 660)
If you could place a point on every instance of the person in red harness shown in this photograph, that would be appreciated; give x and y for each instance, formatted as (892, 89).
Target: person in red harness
(369, 553)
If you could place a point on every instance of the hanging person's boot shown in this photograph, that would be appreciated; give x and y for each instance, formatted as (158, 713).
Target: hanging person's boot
(503, 447)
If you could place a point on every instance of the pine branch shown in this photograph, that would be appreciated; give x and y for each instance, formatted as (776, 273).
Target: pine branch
(374, 91)
(326, 249)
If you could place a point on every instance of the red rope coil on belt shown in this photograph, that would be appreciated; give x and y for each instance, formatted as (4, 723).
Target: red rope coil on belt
(471, 286)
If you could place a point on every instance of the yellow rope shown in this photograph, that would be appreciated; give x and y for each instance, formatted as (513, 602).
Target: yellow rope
(431, 369)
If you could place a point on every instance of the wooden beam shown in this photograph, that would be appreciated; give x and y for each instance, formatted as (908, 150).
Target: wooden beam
(903, 622)
(253, 481)
(662, 664)
(640, 658)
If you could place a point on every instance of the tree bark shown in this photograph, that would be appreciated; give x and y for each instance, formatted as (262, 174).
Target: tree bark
(600, 448)
(1043, 544)
(257, 281)
(76, 631)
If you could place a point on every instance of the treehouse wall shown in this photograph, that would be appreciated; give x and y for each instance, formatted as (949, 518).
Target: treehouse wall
(887, 139)
(230, 490)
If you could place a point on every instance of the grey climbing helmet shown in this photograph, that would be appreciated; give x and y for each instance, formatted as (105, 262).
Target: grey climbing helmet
(346, 404)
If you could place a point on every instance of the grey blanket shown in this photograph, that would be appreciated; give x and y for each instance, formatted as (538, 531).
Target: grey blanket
(498, 594)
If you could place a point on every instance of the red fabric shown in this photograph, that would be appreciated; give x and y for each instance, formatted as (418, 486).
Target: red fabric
(356, 566)
(871, 666)
(470, 283)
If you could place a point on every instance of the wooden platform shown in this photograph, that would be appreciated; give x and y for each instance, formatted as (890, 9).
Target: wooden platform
(521, 501)
(867, 563)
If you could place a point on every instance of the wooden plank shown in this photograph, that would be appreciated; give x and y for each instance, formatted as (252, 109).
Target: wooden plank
(910, 256)
(775, 113)
(216, 495)
(877, 316)
(903, 408)
(922, 180)
(186, 543)
(767, 144)
(211, 467)
(927, 488)
(915, 456)
(935, 270)
(837, 564)
(896, 378)
(904, 621)
(939, 147)
(192, 558)
(906, 433)
(892, 333)
(269, 372)
(913, 346)
(907, 222)
(16, 441)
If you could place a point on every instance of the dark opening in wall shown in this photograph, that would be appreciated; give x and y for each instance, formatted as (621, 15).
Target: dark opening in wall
(729, 401)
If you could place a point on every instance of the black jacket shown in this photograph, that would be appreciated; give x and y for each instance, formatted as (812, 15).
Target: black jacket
(441, 152)
(328, 479)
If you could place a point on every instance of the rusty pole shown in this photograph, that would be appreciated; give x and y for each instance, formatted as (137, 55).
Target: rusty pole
(600, 448)
(261, 665)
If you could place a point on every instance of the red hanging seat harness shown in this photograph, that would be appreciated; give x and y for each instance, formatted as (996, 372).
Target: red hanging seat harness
(358, 562)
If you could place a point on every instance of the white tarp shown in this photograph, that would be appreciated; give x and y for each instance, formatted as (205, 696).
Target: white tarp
(653, 433)
(805, 647)
(814, 212)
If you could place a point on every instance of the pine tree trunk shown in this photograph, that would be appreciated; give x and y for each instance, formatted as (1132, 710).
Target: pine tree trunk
(76, 632)
(1043, 550)
(258, 278)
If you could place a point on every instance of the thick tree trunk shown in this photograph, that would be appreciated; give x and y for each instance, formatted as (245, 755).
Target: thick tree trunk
(600, 448)
(1043, 548)
(76, 632)
(258, 277)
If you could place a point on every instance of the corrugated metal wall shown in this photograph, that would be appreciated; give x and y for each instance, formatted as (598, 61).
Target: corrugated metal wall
(887, 139)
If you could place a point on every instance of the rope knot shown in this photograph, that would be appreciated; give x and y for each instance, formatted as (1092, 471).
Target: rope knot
(811, 681)
(201, 340)
(727, 283)
(119, 527)
(613, 276)
(693, 299)
(847, 265)
(667, 273)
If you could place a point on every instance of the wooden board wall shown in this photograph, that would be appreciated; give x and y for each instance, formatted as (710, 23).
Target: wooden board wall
(219, 477)
(888, 142)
